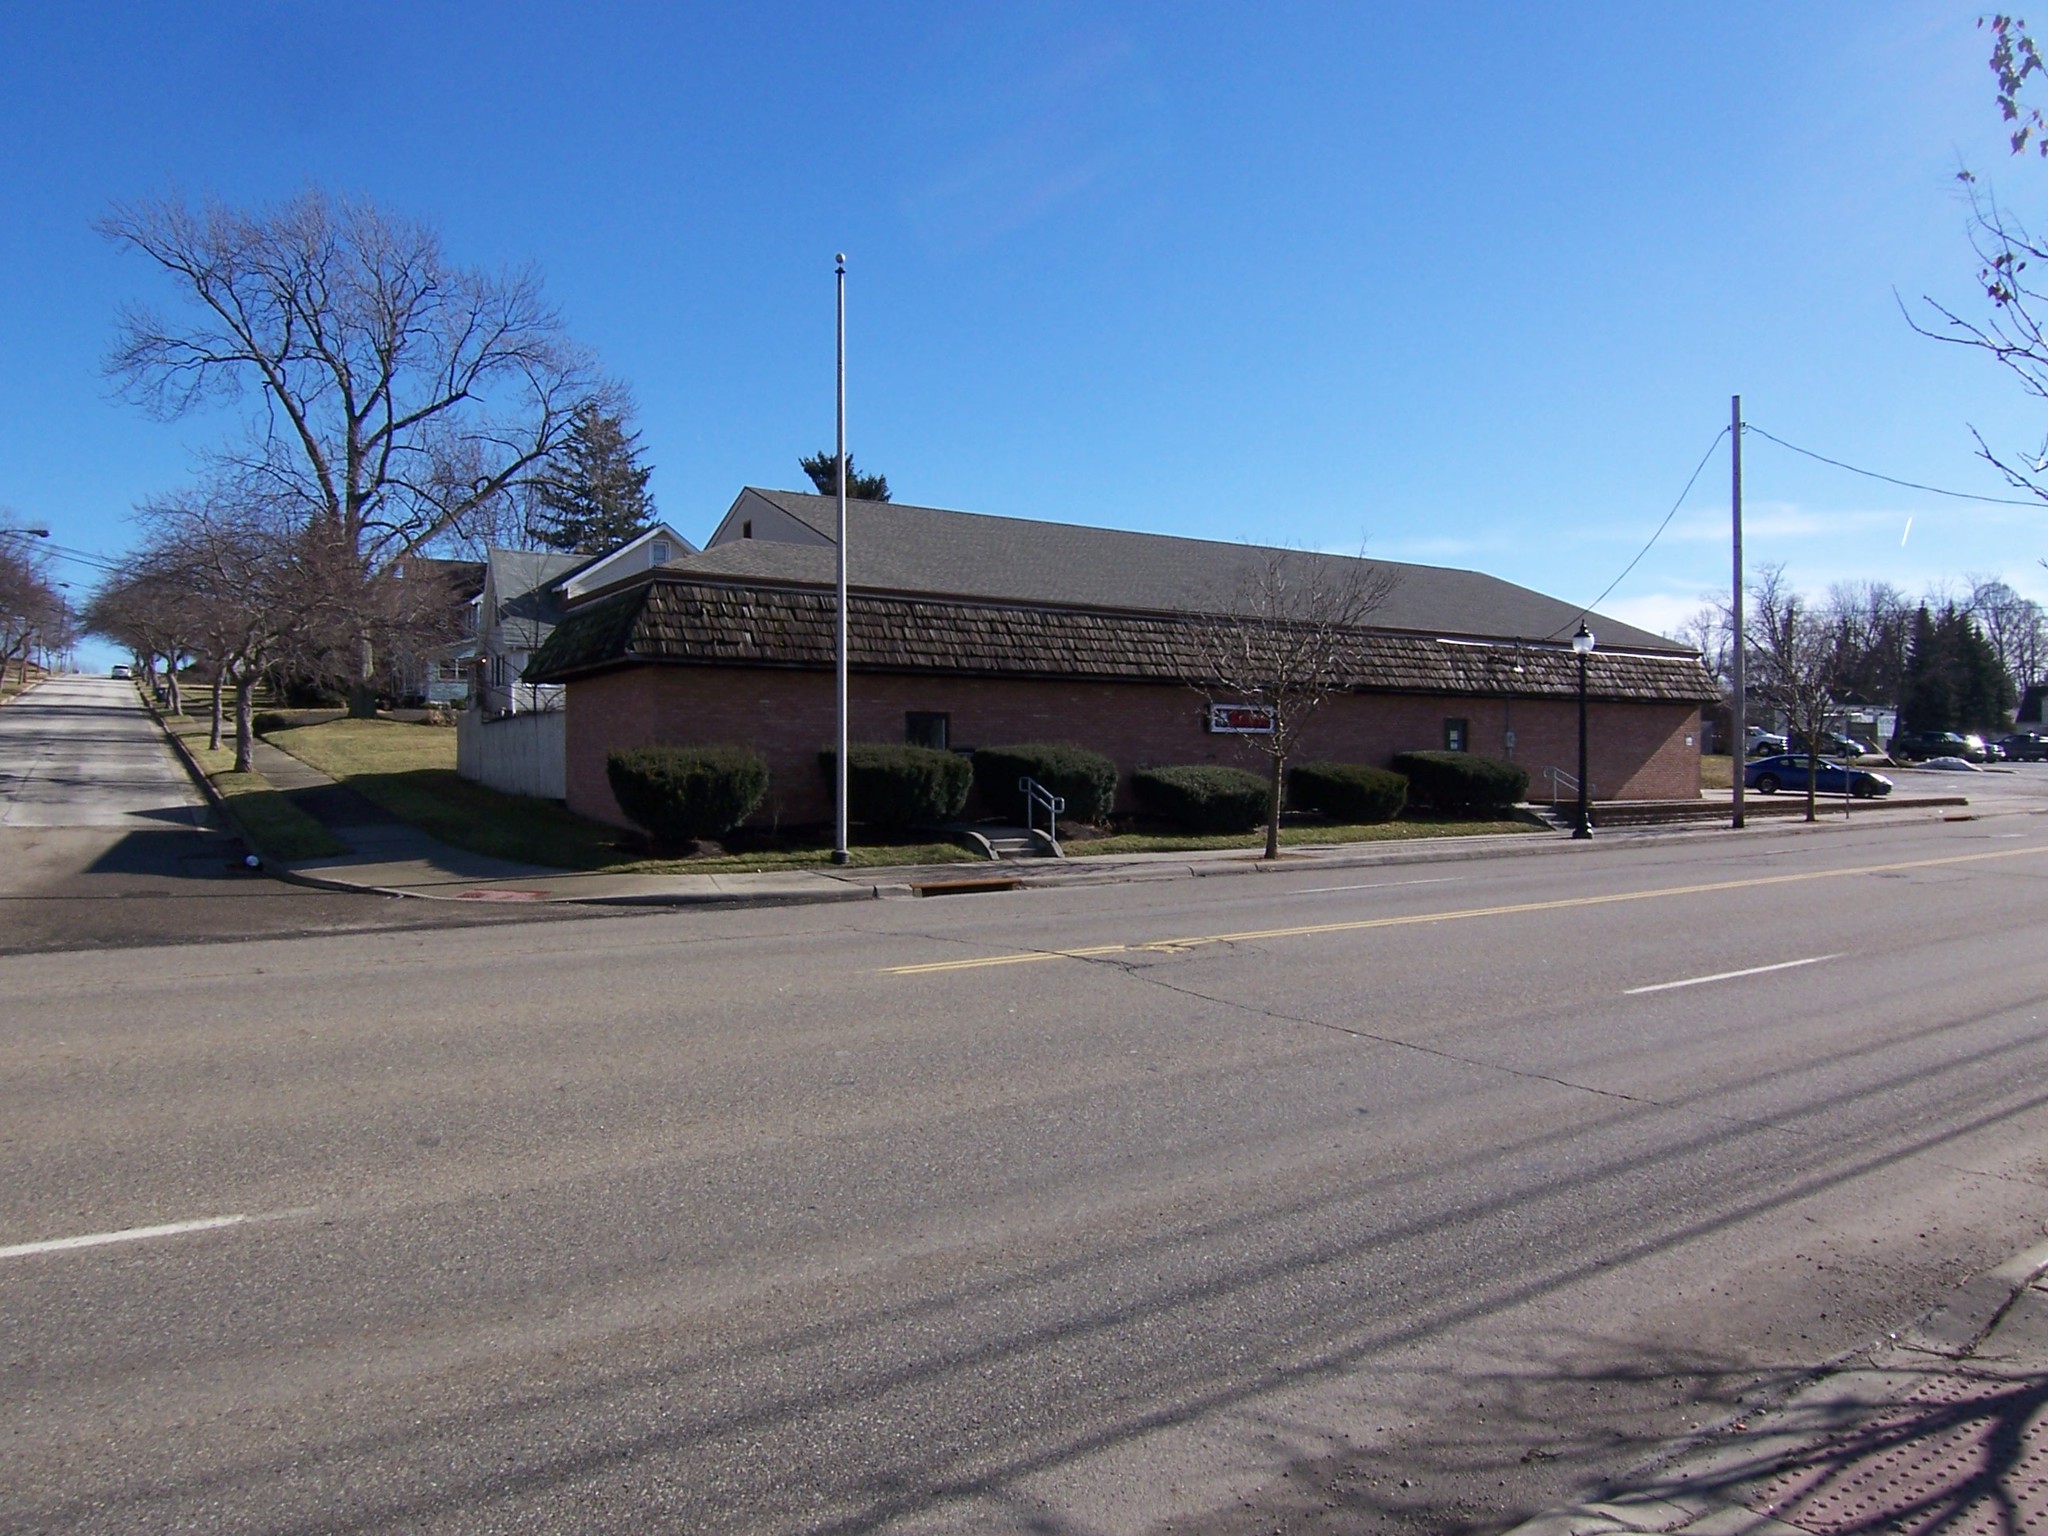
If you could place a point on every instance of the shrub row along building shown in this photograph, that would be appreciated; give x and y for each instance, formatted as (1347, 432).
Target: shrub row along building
(968, 630)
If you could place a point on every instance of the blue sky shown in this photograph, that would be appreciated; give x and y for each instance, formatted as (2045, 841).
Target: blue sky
(1471, 287)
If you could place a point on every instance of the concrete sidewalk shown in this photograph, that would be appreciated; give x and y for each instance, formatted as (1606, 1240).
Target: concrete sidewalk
(393, 858)
(1937, 1428)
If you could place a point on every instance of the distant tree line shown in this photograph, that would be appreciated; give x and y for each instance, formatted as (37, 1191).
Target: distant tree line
(1945, 661)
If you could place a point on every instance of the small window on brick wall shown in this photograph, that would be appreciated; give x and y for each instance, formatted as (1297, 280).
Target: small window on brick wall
(1456, 737)
(924, 729)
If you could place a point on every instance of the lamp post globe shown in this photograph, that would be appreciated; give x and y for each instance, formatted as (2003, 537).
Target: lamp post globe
(1582, 825)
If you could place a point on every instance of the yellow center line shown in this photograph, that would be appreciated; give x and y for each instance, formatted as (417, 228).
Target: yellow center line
(1462, 914)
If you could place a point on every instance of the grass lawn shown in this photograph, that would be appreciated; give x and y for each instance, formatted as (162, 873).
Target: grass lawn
(1291, 837)
(274, 826)
(410, 771)
(1717, 771)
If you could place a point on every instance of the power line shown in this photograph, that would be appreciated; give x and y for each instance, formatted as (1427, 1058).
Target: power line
(85, 557)
(1689, 484)
(1871, 474)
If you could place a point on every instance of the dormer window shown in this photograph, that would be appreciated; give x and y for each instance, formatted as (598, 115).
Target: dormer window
(747, 529)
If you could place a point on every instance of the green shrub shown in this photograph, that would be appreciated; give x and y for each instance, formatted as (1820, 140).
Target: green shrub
(1085, 780)
(1203, 797)
(896, 787)
(1461, 783)
(682, 794)
(264, 721)
(1351, 792)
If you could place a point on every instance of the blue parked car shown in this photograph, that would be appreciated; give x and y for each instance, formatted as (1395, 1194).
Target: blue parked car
(1768, 775)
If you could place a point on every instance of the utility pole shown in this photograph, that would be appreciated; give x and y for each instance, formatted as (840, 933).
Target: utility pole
(1738, 749)
(839, 854)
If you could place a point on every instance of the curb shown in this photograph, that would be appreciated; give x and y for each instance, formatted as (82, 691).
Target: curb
(889, 883)
(827, 897)
(206, 785)
(1784, 1432)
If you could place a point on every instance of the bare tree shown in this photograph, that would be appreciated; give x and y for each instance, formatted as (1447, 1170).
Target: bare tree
(1792, 661)
(2012, 332)
(32, 608)
(1711, 632)
(2013, 626)
(253, 584)
(1283, 641)
(401, 399)
(145, 609)
(1873, 625)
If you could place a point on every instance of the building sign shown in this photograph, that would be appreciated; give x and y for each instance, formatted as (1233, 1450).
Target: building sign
(1241, 719)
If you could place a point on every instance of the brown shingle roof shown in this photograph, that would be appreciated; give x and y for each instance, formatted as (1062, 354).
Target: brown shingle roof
(675, 620)
(894, 547)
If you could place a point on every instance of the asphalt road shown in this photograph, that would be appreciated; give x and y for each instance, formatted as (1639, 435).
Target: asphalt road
(105, 842)
(1407, 1200)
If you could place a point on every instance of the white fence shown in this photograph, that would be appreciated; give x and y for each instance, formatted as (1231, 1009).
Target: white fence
(519, 754)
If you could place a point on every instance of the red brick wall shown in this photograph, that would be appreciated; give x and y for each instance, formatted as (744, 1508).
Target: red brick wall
(1637, 751)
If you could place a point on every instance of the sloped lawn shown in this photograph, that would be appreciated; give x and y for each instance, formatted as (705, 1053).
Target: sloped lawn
(274, 826)
(409, 770)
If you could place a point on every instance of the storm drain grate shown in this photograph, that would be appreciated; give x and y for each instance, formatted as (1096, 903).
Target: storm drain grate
(1963, 1455)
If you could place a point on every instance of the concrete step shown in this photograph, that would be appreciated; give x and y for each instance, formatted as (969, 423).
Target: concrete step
(1018, 843)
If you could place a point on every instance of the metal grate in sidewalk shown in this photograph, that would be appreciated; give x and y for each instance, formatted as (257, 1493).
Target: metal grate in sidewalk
(1965, 1455)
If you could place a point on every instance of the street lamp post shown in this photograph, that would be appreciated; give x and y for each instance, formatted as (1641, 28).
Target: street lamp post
(33, 533)
(1582, 642)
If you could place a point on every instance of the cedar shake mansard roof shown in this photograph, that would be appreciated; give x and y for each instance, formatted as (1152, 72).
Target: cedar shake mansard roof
(955, 592)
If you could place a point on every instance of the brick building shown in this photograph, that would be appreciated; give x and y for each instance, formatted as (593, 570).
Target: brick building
(968, 630)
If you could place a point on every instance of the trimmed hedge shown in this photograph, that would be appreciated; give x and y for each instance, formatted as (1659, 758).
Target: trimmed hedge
(900, 787)
(1085, 780)
(682, 794)
(1203, 797)
(267, 720)
(1461, 783)
(1350, 792)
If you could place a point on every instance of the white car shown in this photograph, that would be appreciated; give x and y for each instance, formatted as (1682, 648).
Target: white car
(121, 672)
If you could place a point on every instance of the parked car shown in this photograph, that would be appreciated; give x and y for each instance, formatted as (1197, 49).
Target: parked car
(1768, 775)
(122, 673)
(2024, 747)
(1764, 744)
(1831, 745)
(1919, 746)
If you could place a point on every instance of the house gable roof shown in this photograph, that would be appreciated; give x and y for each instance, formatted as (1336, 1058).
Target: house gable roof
(592, 573)
(519, 591)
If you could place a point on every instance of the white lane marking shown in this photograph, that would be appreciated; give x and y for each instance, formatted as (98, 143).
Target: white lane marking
(126, 1235)
(1374, 885)
(1754, 970)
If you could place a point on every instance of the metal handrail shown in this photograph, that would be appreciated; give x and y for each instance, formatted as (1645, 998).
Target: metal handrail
(1036, 797)
(1560, 780)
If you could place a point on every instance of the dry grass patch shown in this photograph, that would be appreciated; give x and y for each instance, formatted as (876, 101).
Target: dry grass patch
(409, 770)
(266, 817)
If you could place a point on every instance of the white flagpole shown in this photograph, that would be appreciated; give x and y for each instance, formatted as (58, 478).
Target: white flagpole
(839, 855)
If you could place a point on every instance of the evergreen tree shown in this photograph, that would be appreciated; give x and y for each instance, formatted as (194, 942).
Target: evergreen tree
(1986, 696)
(1953, 679)
(1927, 699)
(823, 468)
(592, 496)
